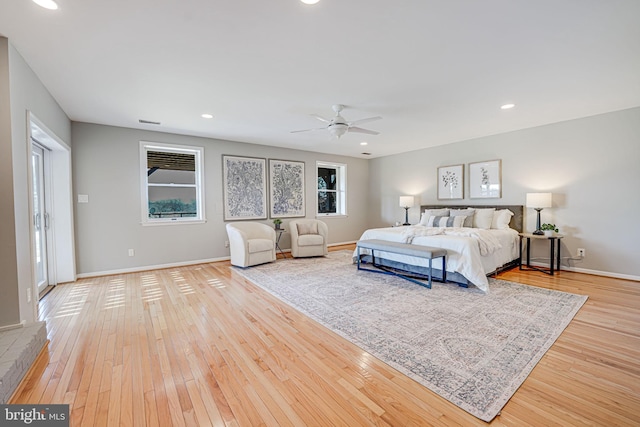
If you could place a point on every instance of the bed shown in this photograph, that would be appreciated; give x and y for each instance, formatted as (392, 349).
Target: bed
(478, 245)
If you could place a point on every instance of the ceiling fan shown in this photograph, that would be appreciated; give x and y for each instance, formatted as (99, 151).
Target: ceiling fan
(338, 126)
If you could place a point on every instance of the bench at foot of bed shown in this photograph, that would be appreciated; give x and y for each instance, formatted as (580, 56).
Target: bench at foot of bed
(425, 252)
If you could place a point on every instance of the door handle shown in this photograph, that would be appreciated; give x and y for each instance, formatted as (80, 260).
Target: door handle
(46, 220)
(36, 221)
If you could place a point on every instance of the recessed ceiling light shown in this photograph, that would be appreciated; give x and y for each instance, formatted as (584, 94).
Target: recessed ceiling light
(507, 106)
(364, 143)
(207, 116)
(47, 4)
(309, 1)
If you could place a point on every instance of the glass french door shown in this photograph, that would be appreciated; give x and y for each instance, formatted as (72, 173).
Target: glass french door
(40, 216)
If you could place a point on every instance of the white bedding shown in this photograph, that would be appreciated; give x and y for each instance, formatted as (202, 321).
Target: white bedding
(471, 252)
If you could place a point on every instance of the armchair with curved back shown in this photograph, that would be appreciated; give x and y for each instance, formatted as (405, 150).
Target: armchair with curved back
(251, 243)
(309, 238)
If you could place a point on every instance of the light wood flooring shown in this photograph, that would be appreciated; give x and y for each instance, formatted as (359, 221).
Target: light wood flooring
(199, 345)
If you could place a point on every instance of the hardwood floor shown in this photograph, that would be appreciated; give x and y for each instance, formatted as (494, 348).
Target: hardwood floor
(199, 345)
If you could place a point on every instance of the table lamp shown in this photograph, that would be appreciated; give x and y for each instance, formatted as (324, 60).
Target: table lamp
(406, 202)
(538, 201)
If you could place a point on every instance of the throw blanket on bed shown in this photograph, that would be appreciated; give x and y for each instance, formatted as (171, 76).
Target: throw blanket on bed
(487, 243)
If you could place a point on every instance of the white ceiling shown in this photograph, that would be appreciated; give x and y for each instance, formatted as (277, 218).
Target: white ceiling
(436, 71)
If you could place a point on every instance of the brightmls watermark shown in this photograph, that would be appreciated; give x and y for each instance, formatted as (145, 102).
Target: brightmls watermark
(34, 415)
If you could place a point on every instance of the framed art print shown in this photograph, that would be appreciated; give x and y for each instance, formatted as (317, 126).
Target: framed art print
(245, 188)
(485, 179)
(286, 188)
(451, 182)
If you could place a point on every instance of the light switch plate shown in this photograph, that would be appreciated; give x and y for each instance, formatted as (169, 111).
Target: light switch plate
(83, 198)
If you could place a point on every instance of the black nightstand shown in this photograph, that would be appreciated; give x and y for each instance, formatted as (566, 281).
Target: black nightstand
(554, 252)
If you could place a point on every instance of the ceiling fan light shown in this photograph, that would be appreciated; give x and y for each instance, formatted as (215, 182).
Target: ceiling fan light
(338, 129)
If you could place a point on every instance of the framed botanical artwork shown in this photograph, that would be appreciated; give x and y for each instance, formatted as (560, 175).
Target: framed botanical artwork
(245, 188)
(485, 179)
(286, 188)
(451, 182)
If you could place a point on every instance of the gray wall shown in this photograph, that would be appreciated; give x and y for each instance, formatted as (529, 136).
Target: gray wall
(106, 168)
(9, 307)
(26, 93)
(591, 165)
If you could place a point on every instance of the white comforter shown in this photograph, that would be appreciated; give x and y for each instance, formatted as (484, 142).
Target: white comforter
(470, 251)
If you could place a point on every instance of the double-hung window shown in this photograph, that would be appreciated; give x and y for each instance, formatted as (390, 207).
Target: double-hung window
(172, 183)
(332, 189)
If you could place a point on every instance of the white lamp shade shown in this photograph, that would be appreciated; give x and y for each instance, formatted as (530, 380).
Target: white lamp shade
(406, 201)
(538, 200)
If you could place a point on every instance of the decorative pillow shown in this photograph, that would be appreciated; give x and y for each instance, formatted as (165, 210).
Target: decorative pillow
(307, 228)
(469, 212)
(432, 212)
(483, 218)
(446, 221)
(501, 219)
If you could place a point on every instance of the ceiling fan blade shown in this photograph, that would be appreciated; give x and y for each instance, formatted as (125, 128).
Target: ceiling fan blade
(322, 119)
(368, 119)
(360, 130)
(306, 130)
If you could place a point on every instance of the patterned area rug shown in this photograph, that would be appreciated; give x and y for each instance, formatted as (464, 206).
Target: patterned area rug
(471, 348)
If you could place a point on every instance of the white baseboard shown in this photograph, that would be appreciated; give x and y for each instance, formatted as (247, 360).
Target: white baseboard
(589, 271)
(10, 327)
(175, 264)
(150, 267)
(603, 273)
(342, 243)
(205, 261)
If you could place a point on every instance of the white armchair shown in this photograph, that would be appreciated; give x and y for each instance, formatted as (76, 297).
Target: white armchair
(251, 243)
(308, 238)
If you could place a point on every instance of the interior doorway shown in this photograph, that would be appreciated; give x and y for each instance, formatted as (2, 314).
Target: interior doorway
(53, 250)
(40, 169)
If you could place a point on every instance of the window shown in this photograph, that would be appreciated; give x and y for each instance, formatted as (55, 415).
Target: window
(332, 188)
(172, 183)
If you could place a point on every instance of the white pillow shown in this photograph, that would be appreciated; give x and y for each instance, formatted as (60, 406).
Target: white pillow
(432, 212)
(446, 221)
(501, 219)
(483, 218)
(468, 222)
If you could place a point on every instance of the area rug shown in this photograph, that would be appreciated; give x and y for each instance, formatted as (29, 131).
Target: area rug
(473, 349)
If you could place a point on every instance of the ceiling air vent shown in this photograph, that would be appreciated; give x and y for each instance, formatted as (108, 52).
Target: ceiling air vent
(148, 122)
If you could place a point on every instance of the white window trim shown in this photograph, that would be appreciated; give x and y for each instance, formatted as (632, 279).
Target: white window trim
(144, 184)
(342, 191)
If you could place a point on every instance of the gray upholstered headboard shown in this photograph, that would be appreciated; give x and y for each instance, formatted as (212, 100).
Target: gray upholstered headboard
(517, 220)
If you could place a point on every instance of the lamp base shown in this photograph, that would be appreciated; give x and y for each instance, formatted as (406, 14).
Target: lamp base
(406, 216)
(538, 232)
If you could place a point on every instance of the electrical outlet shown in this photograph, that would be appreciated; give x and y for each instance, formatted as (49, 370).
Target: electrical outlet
(581, 252)
(132, 252)
(226, 243)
